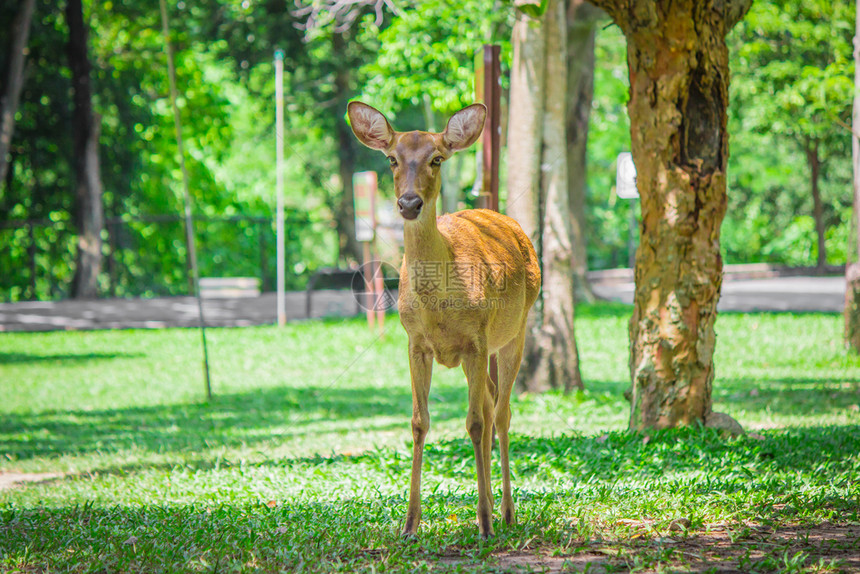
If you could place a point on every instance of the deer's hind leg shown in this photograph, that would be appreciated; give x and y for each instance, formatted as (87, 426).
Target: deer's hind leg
(479, 424)
(510, 357)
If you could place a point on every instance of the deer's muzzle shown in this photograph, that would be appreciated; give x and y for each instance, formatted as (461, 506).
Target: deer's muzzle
(410, 205)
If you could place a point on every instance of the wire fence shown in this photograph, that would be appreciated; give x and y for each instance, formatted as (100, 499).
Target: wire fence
(145, 256)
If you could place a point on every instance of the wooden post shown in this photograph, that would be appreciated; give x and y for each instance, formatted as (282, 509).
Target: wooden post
(488, 87)
(364, 186)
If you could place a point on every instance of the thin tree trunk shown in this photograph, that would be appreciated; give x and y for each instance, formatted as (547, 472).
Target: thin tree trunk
(552, 360)
(814, 162)
(852, 269)
(581, 29)
(679, 73)
(349, 247)
(88, 188)
(525, 137)
(14, 81)
(558, 361)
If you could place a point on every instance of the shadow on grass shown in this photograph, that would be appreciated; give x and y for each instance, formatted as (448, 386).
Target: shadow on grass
(623, 456)
(231, 420)
(265, 415)
(788, 396)
(17, 358)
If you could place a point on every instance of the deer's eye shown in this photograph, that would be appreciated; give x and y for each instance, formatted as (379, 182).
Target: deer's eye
(392, 160)
(436, 161)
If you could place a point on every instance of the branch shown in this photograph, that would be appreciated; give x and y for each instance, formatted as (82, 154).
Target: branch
(847, 127)
(616, 9)
(735, 12)
(317, 14)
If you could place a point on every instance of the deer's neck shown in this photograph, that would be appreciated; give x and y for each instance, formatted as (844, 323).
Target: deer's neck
(422, 240)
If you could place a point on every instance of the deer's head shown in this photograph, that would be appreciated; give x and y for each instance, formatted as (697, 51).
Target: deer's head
(416, 157)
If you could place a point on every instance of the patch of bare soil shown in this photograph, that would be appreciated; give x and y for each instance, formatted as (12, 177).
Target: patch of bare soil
(822, 548)
(13, 479)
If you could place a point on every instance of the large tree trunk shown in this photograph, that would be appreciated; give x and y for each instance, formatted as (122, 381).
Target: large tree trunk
(813, 160)
(14, 80)
(538, 194)
(88, 188)
(581, 28)
(852, 269)
(525, 137)
(349, 247)
(679, 73)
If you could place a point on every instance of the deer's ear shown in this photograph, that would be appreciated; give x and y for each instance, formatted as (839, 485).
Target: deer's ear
(465, 127)
(370, 126)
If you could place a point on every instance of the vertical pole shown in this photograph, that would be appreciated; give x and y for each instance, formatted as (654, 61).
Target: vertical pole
(631, 235)
(370, 296)
(489, 81)
(279, 170)
(111, 233)
(189, 221)
(492, 127)
(31, 253)
(379, 291)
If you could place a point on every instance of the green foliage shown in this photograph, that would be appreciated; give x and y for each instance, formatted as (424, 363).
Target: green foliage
(301, 461)
(229, 151)
(792, 82)
(791, 86)
(791, 92)
(429, 50)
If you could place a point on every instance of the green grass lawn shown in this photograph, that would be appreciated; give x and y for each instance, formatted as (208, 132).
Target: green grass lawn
(301, 461)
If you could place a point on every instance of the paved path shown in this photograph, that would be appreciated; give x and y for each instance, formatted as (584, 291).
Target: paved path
(775, 294)
(772, 294)
(168, 312)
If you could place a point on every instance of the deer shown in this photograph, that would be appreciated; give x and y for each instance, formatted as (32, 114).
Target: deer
(467, 283)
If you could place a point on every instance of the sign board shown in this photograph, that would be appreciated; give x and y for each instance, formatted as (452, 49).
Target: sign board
(364, 197)
(625, 177)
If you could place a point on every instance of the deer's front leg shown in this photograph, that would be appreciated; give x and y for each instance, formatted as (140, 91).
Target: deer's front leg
(479, 424)
(420, 370)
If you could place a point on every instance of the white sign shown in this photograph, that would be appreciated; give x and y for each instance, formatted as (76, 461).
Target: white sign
(625, 177)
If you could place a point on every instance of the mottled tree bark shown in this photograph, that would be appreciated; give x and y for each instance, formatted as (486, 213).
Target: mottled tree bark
(14, 80)
(852, 269)
(679, 73)
(88, 187)
(582, 20)
(525, 136)
(538, 194)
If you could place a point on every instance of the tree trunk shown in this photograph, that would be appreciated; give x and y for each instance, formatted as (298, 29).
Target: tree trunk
(679, 72)
(88, 188)
(14, 80)
(852, 268)
(349, 247)
(581, 27)
(814, 162)
(558, 359)
(525, 137)
(551, 358)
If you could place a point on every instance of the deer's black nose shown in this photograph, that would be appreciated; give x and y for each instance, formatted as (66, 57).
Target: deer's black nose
(410, 205)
